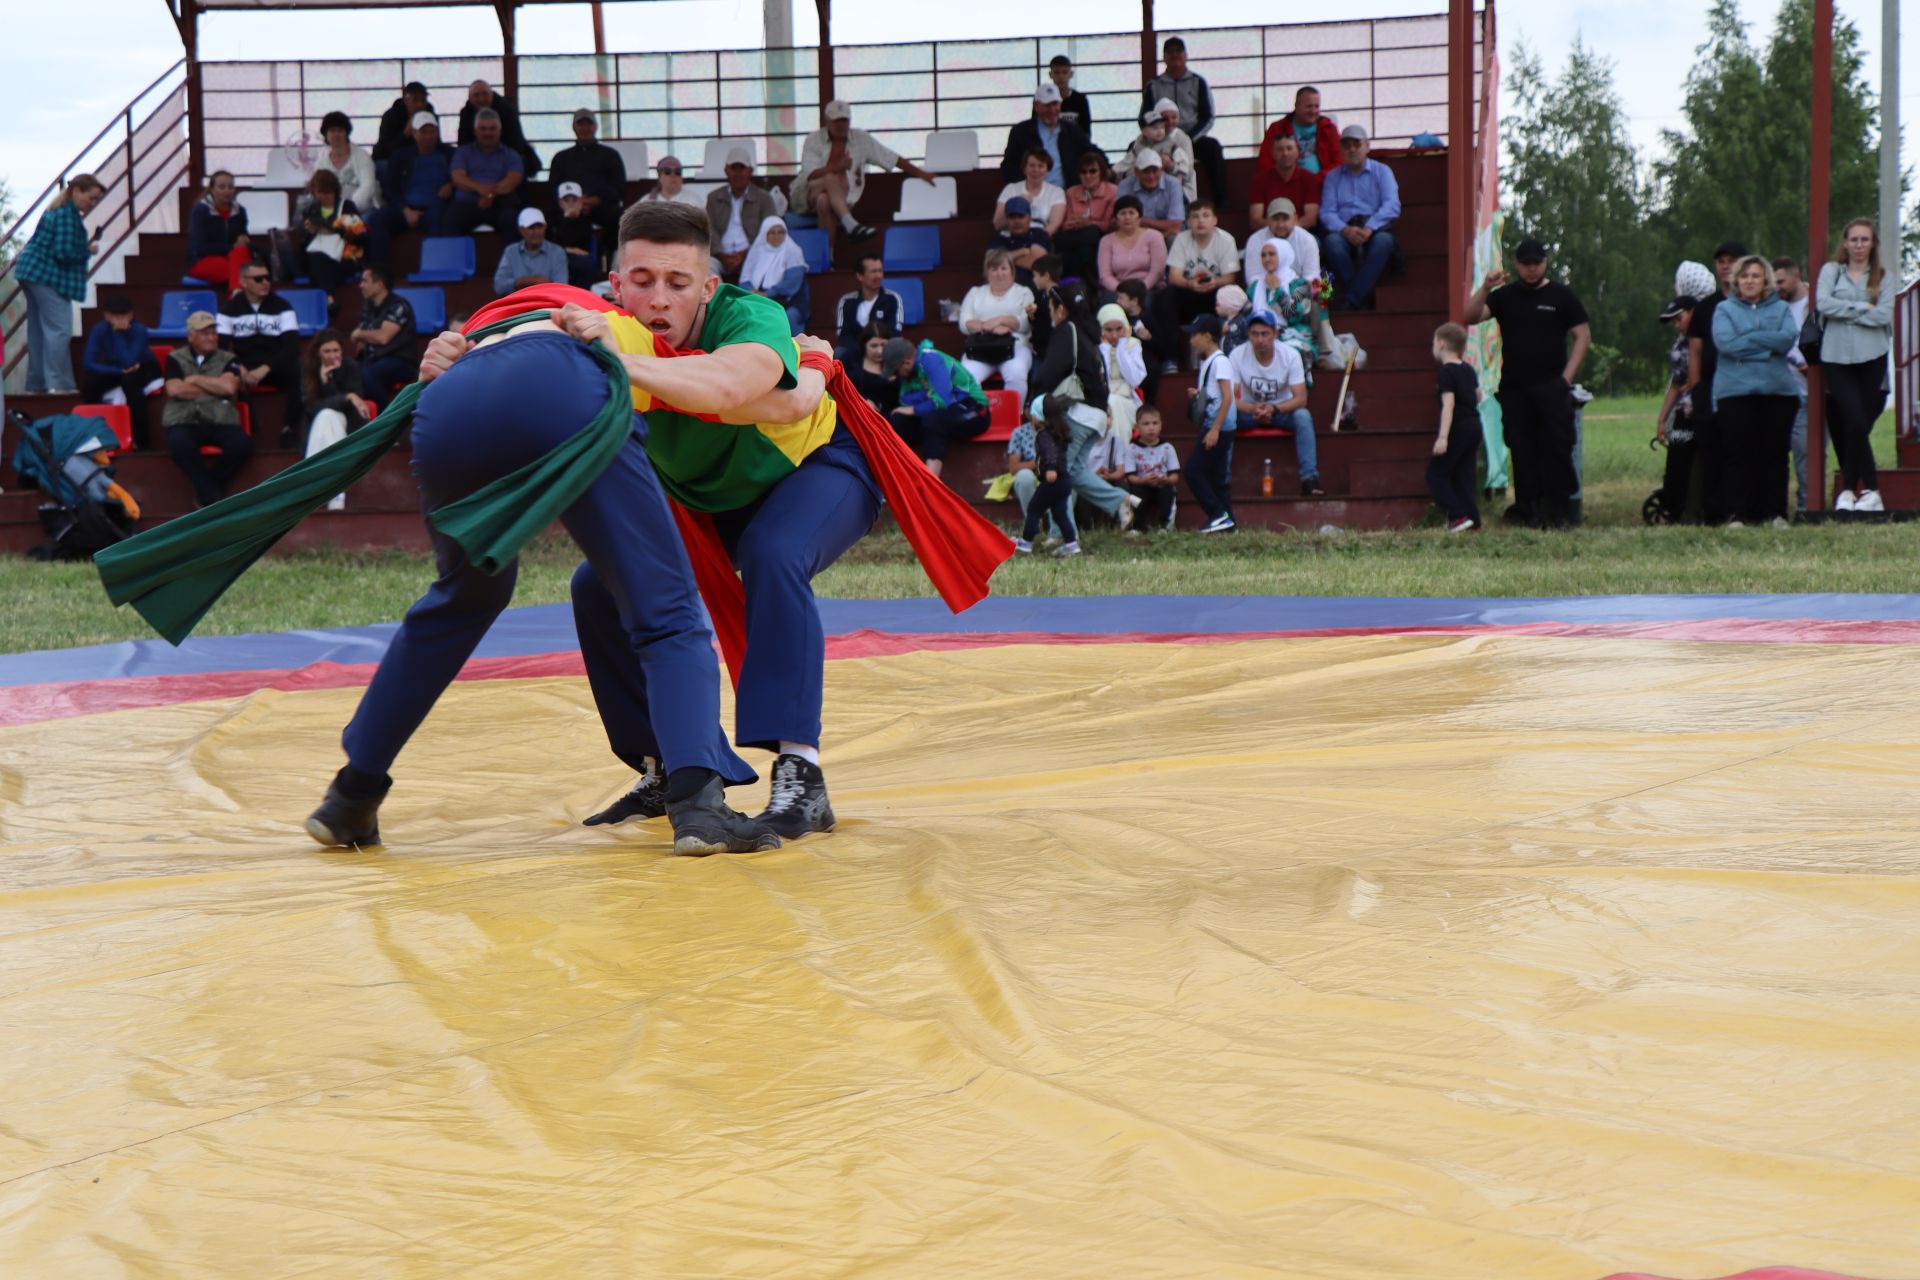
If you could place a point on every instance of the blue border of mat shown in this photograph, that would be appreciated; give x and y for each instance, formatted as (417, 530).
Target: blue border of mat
(549, 628)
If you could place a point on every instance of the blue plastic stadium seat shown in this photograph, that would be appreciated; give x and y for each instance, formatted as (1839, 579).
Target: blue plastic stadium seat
(814, 243)
(913, 300)
(176, 305)
(446, 260)
(912, 248)
(429, 307)
(311, 306)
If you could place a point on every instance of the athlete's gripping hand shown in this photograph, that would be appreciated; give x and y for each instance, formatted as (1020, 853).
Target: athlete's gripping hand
(442, 352)
(807, 342)
(585, 323)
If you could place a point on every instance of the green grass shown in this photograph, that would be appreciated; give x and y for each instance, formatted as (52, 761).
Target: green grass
(53, 606)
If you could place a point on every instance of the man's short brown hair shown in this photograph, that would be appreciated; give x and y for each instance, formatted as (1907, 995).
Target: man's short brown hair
(1453, 337)
(665, 222)
(1786, 263)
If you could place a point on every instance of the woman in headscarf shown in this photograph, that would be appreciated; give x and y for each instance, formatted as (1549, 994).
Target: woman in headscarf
(1290, 298)
(777, 268)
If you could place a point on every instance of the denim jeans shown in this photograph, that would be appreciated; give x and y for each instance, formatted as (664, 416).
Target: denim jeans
(1301, 423)
(49, 339)
(1356, 268)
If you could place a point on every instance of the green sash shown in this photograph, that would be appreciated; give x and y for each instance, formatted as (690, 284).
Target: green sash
(173, 573)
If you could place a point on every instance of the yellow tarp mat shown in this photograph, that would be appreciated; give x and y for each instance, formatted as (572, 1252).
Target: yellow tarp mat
(1343, 958)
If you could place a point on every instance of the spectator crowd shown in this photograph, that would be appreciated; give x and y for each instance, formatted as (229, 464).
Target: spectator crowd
(1103, 276)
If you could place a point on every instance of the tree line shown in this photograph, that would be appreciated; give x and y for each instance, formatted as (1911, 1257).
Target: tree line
(1620, 222)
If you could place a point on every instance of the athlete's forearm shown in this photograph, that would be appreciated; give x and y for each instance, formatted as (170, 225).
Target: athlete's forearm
(721, 383)
(791, 405)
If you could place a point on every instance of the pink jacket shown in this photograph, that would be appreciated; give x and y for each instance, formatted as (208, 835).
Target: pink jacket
(1145, 261)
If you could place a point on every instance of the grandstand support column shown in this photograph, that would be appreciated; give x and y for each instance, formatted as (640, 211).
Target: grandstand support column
(1460, 169)
(186, 18)
(1149, 44)
(825, 9)
(1890, 130)
(1819, 479)
(509, 53)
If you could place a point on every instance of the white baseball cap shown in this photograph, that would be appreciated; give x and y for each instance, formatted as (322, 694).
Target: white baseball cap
(421, 119)
(740, 155)
(837, 110)
(532, 218)
(566, 189)
(1047, 92)
(1147, 160)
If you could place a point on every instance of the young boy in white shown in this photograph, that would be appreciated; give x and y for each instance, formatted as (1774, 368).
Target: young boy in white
(1153, 473)
(1270, 390)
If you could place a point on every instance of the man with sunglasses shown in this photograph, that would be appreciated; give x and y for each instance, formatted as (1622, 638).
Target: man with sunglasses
(261, 329)
(672, 187)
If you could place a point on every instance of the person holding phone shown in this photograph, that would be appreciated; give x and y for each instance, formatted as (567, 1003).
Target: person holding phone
(1203, 260)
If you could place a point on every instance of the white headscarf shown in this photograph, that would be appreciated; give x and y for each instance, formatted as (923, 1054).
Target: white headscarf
(1283, 253)
(1693, 280)
(765, 264)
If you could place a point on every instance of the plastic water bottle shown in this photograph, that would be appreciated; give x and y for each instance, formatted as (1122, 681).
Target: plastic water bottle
(1266, 478)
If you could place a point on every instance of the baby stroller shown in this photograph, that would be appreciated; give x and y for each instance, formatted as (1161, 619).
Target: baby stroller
(66, 458)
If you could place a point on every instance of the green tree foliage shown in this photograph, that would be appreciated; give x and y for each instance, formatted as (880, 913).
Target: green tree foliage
(1739, 169)
(1736, 170)
(1573, 182)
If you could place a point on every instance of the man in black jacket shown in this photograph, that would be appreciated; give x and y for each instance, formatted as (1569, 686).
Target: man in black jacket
(260, 328)
(1045, 130)
(481, 97)
(871, 303)
(599, 170)
(396, 130)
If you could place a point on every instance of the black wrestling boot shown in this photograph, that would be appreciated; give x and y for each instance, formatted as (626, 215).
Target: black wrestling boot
(647, 799)
(704, 824)
(798, 805)
(350, 815)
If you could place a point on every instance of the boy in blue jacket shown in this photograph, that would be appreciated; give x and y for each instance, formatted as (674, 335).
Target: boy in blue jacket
(118, 365)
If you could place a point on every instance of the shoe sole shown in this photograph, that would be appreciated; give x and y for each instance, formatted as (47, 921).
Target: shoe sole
(826, 825)
(699, 846)
(324, 836)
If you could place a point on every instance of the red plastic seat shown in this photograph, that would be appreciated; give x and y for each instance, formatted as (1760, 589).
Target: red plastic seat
(162, 352)
(246, 425)
(116, 416)
(1004, 408)
(1256, 433)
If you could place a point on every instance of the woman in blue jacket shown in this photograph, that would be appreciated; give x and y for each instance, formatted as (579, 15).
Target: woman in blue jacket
(1754, 396)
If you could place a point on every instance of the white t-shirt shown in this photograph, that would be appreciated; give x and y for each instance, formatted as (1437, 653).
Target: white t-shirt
(1043, 204)
(1152, 461)
(1110, 452)
(1268, 383)
(1220, 256)
(734, 239)
(1306, 254)
(1217, 368)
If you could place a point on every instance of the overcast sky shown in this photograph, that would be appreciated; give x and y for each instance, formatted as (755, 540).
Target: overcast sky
(61, 80)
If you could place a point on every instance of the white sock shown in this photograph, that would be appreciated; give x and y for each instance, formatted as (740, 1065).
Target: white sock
(810, 754)
(848, 222)
(652, 770)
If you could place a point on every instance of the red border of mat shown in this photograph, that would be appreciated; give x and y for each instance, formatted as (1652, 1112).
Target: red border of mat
(34, 703)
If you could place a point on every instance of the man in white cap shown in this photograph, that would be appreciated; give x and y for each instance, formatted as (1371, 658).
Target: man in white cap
(833, 170)
(597, 170)
(1163, 206)
(420, 178)
(1283, 224)
(1045, 130)
(534, 259)
(574, 232)
(736, 210)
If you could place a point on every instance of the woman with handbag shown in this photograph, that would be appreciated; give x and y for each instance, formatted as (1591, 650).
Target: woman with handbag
(1854, 304)
(995, 328)
(1074, 367)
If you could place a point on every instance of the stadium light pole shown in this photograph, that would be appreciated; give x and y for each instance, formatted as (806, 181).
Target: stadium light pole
(1890, 132)
(1818, 187)
(1459, 154)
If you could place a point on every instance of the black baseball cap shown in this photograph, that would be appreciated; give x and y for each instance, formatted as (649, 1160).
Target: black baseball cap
(416, 88)
(115, 304)
(1530, 251)
(1730, 249)
(1681, 304)
(1208, 324)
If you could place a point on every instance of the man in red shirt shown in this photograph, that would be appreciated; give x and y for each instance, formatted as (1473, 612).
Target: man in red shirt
(1286, 176)
(1318, 135)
